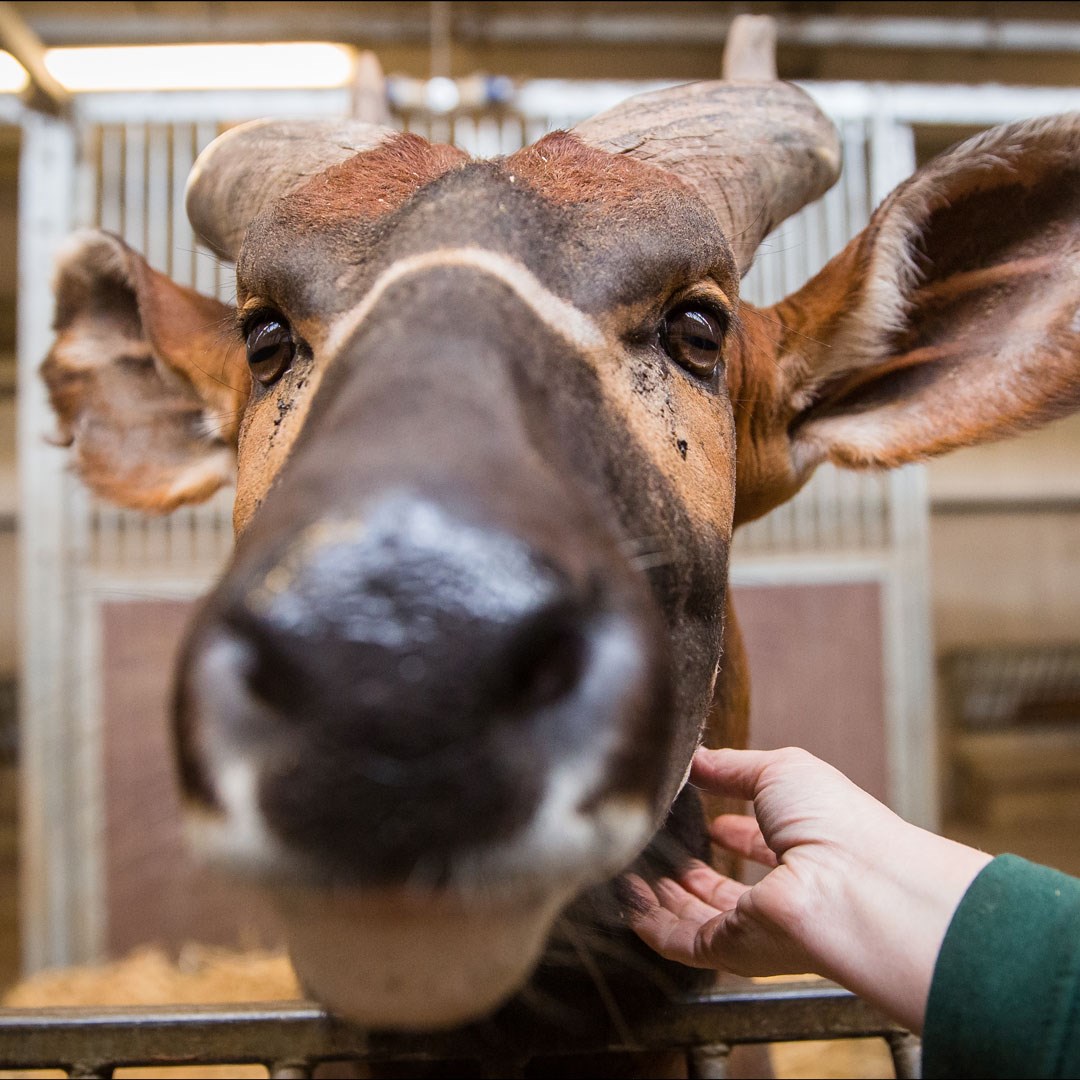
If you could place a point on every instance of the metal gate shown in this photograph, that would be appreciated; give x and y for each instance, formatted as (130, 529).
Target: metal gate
(121, 162)
(292, 1039)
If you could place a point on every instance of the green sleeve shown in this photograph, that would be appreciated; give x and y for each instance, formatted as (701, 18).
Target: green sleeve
(1005, 996)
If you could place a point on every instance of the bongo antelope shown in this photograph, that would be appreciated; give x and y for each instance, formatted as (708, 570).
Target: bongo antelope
(491, 425)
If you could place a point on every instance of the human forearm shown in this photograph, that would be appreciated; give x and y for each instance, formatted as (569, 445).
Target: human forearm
(882, 936)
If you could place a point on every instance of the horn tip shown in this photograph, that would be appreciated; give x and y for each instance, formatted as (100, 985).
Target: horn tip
(750, 49)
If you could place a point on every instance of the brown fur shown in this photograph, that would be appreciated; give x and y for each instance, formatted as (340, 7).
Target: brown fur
(371, 184)
(564, 169)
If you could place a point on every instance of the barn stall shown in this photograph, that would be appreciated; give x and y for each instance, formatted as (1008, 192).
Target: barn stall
(111, 590)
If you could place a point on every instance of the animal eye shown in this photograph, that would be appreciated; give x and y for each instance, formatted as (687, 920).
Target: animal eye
(270, 349)
(693, 337)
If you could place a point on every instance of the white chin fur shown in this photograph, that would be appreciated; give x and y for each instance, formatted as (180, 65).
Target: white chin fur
(397, 961)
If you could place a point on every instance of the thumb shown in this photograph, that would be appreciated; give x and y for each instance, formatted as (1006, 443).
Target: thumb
(729, 772)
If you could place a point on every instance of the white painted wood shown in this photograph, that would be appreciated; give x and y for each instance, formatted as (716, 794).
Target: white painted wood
(912, 731)
(53, 917)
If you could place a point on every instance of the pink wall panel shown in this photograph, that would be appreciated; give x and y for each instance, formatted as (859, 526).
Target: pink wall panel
(817, 678)
(154, 893)
(817, 681)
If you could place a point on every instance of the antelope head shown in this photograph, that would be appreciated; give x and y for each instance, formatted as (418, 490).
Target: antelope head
(495, 422)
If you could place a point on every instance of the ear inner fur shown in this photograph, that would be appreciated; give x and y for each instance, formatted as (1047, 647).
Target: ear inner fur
(145, 378)
(949, 321)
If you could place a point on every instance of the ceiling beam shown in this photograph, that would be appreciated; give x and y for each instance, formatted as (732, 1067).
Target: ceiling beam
(473, 25)
(44, 92)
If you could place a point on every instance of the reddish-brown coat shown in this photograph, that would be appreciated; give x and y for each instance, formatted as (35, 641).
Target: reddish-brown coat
(371, 184)
(563, 169)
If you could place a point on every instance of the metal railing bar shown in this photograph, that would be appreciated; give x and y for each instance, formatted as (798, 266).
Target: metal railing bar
(295, 1034)
(290, 1070)
(906, 1051)
(709, 1062)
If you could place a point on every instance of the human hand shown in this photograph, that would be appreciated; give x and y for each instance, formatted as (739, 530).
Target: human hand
(854, 892)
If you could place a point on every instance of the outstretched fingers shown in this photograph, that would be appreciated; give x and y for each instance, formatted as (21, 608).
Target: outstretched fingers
(719, 892)
(671, 921)
(679, 919)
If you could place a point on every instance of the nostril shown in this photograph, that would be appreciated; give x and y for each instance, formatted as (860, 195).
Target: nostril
(546, 661)
(270, 671)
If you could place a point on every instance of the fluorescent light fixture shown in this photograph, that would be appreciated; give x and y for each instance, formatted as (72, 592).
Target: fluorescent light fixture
(13, 77)
(286, 66)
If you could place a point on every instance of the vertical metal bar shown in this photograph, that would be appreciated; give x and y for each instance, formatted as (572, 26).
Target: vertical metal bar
(88, 170)
(439, 129)
(206, 279)
(158, 193)
(911, 728)
(536, 128)
(291, 1070)
(49, 850)
(793, 237)
(153, 185)
(465, 134)
(828, 506)
(813, 254)
(847, 495)
(837, 228)
(912, 753)
(86, 748)
(134, 187)
(708, 1062)
(182, 256)
(874, 510)
(106, 529)
(90, 1071)
(857, 195)
(509, 135)
(110, 211)
(892, 153)
(906, 1052)
(487, 137)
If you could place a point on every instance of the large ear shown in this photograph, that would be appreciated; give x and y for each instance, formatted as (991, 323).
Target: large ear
(147, 378)
(952, 319)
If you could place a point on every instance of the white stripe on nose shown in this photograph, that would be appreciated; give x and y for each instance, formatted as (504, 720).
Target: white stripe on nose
(560, 316)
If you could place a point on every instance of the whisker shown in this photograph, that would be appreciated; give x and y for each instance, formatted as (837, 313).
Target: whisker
(635, 545)
(546, 1005)
(592, 969)
(425, 877)
(609, 941)
(760, 313)
(652, 560)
